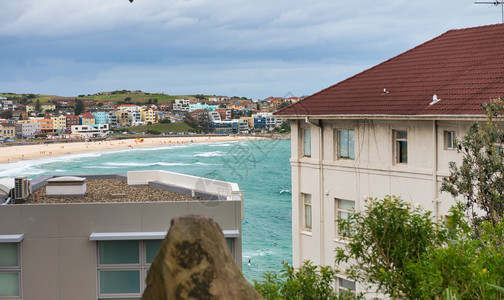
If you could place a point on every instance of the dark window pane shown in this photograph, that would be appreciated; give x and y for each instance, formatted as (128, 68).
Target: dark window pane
(120, 282)
(119, 252)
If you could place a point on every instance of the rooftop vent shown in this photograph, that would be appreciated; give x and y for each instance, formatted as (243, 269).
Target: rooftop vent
(22, 189)
(66, 186)
(435, 99)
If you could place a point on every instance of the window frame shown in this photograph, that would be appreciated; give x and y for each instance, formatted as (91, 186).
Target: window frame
(337, 211)
(305, 206)
(339, 144)
(304, 152)
(340, 288)
(14, 270)
(399, 147)
(142, 267)
(449, 138)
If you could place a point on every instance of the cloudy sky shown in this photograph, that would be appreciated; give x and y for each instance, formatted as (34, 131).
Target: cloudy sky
(255, 49)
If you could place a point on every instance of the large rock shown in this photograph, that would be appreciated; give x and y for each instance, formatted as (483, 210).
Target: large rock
(194, 262)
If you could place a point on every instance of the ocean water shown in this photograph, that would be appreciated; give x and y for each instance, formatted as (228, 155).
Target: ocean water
(261, 168)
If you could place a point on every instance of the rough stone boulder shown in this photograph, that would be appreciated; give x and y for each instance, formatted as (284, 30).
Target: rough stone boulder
(194, 262)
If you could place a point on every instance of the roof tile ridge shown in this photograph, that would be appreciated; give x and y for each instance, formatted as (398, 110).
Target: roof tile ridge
(362, 72)
(386, 61)
(478, 27)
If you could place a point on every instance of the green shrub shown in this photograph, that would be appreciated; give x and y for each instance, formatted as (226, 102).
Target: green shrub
(308, 282)
(407, 255)
(155, 132)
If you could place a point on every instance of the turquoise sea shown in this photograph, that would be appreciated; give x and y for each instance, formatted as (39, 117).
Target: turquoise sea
(261, 168)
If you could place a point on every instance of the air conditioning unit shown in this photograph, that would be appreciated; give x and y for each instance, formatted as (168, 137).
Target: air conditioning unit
(21, 188)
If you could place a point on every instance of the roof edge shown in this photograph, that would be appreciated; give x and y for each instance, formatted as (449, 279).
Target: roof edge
(408, 117)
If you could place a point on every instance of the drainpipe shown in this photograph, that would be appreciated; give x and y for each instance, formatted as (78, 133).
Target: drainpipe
(319, 125)
(435, 169)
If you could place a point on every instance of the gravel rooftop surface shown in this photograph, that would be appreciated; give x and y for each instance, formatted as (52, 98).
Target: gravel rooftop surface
(113, 190)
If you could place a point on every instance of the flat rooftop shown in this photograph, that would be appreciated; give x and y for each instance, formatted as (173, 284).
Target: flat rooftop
(112, 190)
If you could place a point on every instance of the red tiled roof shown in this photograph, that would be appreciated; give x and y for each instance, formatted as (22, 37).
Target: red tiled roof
(87, 115)
(462, 67)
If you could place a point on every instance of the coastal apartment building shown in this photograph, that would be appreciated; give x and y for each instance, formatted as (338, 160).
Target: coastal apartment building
(388, 130)
(100, 246)
(7, 130)
(90, 131)
(59, 123)
(71, 120)
(43, 107)
(27, 129)
(149, 115)
(101, 117)
(87, 119)
(181, 105)
(46, 124)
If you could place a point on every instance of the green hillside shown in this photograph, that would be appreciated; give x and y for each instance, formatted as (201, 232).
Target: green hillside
(28, 98)
(141, 98)
(116, 97)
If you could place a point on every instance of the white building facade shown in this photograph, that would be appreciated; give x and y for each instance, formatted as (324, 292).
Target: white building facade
(387, 131)
(90, 131)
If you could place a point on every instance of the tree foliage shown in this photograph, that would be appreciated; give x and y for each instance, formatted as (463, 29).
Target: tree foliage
(307, 282)
(403, 253)
(6, 114)
(37, 105)
(480, 177)
(79, 107)
(384, 240)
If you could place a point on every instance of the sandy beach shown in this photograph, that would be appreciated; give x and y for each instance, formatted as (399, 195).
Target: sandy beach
(26, 152)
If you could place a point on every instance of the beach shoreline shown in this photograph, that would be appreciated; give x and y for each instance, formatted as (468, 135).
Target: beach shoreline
(26, 152)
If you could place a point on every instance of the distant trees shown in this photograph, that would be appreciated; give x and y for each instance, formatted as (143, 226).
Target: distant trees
(191, 121)
(6, 114)
(79, 107)
(284, 128)
(195, 124)
(37, 105)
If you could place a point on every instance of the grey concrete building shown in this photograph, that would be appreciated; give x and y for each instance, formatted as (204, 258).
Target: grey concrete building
(71, 246)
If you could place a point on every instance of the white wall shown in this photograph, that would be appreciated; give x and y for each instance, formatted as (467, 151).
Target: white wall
(373, 173)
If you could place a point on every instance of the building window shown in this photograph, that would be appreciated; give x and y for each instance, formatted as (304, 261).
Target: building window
(231, 245)
(345, 140)
(307, 142)
(449, 140)
(123, 267)
(10, 271)
(401, 147)
(342, 210)
(307, 208)
(346, 287)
